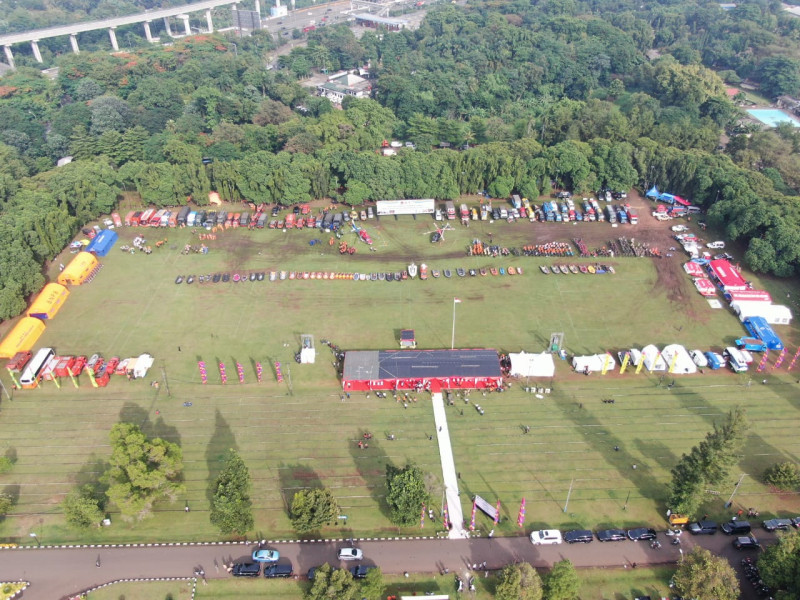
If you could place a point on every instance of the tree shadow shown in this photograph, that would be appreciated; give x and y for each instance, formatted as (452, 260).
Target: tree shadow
(137, 415)
(11, 455)
(90, 479)
(371, 463)
(218, 446)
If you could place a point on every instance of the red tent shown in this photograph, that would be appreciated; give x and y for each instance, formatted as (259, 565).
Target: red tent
(694, 270)
(749, 296)
(728, 278)
(705, 287)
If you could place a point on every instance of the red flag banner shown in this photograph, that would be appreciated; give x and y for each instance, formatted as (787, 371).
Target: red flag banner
(497, 513)
(472, 521)
(521, 516)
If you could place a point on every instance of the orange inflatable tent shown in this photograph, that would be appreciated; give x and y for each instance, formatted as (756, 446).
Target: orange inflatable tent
(49, 301)
(79, 270)
(22, 337)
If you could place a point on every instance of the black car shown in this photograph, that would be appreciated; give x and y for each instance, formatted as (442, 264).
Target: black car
(312, 572)
(275, 210)
(578, 536)
(777, 524)
(276, 570)
(736, 527)
(641, 533)
(226, 277)
(360, 572)
(796, 522)
(746, 542)
(496, 214)
(704, 527)
(611, 535)
(296, 210)
(216, 278)
(246, 570)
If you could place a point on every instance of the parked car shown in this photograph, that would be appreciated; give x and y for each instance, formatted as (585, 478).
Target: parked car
(247, 570)
(264, 555)
(795, 522)
(777, 524)
(746, 542)
(735, 527)
(370, 213)
(546, 536)
(699, 358)
(278, 571)
(641, 533)
(704, 527)
(578, 536)
(360, 572)
(611, 535)
(718, 245)
(350, 554)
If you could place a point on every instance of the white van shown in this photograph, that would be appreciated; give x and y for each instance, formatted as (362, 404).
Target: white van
(736, 359)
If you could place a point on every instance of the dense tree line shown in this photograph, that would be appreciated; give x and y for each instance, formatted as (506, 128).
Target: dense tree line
(557, 94)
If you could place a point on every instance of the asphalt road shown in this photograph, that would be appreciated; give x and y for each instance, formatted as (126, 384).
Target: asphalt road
(60, 572)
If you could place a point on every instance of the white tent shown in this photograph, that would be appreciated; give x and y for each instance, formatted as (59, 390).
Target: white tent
(532, 365)
(653, 359)
(143, 364)
(635, 359)
(593, 363)
(775, 314)
(678, 358)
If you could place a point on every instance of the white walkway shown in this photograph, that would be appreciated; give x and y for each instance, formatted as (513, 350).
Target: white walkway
(449, 475)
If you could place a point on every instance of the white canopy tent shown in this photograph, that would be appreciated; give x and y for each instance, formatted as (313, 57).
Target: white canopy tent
(683, 363)
(775, 314)
(593, 363)
(653, 359)
(532, 365)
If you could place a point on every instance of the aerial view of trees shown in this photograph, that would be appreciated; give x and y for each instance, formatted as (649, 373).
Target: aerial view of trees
(313, 509)
(141, 471)
(406, 493)
(708, 463)
(231, 506)
(702, 575)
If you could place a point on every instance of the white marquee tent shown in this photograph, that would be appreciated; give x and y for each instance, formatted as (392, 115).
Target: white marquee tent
(653, 359)
(683, 363)
(593, 363)
(532, 365)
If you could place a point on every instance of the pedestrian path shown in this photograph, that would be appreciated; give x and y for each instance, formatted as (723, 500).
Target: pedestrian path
(449, 475)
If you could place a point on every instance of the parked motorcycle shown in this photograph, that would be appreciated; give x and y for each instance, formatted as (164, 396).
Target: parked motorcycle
(459, 584)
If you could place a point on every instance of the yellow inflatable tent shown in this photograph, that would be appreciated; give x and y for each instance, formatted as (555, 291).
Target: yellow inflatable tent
(22, 337)
(79, 270)
(49, 301)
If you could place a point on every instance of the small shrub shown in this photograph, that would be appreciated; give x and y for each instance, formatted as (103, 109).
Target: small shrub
(783, 476)
(6, 464)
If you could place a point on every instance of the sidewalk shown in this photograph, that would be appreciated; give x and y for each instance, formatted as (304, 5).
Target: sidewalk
(449, 476)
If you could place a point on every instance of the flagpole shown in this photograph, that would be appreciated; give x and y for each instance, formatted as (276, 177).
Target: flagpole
(453, 338)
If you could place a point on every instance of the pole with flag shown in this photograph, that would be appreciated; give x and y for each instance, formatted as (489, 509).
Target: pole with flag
(422, 517)
(781, 358)
(453, 339)
(472, 520)
(625, 362)
(763, 364)
(794, 360)
(446, 515)
(497, 513)
(521, 516)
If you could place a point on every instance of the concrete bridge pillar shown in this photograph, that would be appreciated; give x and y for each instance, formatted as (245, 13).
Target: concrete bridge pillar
(186, 26)
(113, 37)
(9, 57)
(167, 27)
(258, 8)
(209, 21)
(35, 48)
(73, 41)
(293, 7)
(148, 34)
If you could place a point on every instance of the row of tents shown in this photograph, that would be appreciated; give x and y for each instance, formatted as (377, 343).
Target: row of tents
(674, 359)
(46, 305)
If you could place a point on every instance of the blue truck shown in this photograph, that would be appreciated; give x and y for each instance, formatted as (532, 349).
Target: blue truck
(751, 344)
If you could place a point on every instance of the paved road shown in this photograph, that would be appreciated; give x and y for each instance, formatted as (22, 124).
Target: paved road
(58, 572)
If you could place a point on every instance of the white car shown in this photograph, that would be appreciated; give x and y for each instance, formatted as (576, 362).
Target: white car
(719, 245)
(350, 554)
(546, 536)
(679, 228)
(699, 358)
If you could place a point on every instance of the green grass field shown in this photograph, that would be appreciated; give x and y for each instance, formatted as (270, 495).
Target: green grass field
(596, 584)
(299, 434)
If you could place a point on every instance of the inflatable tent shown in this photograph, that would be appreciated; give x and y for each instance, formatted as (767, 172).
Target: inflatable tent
(532, 365)
(49, 301)
(653, 359)
(102, 242)
(22, 337)
(678, 360)
(79, 270)
(593, 363)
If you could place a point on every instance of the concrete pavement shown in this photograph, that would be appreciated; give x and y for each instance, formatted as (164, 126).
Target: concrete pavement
(60, 572)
